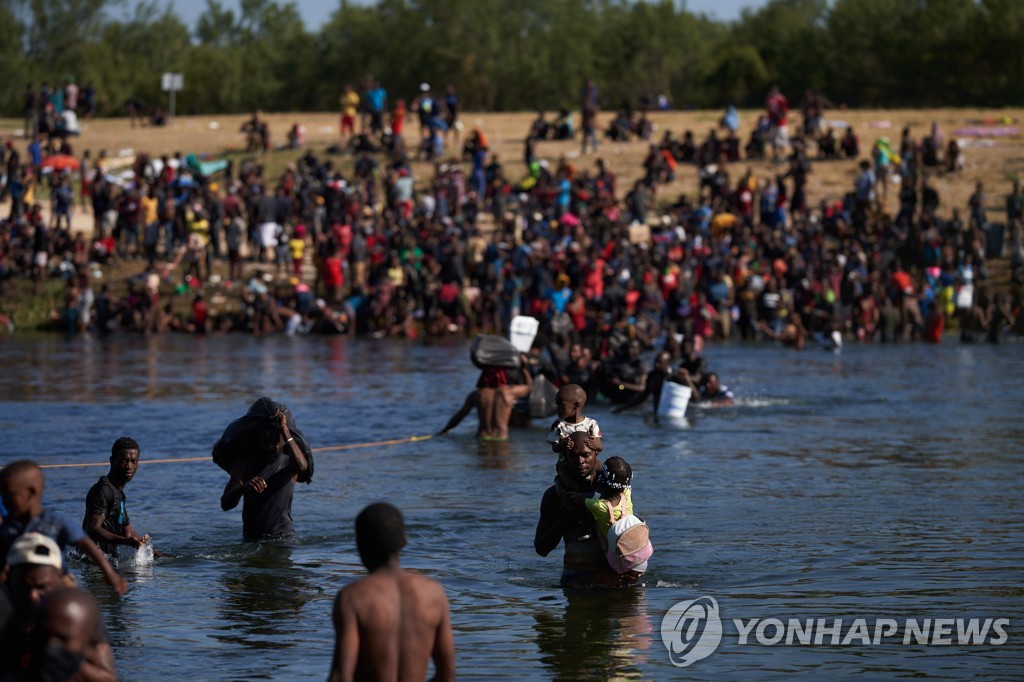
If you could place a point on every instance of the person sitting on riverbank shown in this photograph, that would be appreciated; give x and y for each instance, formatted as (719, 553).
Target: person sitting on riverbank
(391, 623)
(21, 487)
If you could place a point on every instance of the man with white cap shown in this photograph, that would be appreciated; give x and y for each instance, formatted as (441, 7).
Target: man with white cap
(35, 568)
(35, 571)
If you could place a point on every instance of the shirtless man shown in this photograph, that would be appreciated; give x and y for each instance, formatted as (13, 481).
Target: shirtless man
(493, 399)
(390, 623)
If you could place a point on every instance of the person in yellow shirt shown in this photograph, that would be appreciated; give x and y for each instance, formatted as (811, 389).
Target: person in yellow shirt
(723, 222)
(349, 108)
(614, 483)
(297, 244)
(198, 239)
(29, 197)
(150, 223)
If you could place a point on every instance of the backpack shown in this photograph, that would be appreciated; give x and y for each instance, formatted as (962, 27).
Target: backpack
(629, 544)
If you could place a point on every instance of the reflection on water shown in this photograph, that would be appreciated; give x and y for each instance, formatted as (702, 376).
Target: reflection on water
(885, 481)
(495, 454)
(599, 635)
(263, 592)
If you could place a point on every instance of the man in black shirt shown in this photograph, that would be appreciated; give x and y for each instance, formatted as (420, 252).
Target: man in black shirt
(265, 484)
(653, 383)
(106, 516)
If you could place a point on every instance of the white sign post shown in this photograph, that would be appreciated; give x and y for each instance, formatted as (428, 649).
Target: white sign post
(171, 83)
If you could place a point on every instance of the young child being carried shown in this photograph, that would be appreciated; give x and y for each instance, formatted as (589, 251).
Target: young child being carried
(569, 401)
(629, 547)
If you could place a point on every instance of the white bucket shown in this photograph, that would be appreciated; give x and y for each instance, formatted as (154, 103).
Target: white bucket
(523, 331)
(965, 297)
(674, 399)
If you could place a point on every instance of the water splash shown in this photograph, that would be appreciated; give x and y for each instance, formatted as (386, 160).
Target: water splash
(130, 557)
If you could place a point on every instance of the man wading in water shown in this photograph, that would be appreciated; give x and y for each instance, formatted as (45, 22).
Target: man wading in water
(565, 517)
(266, 482)
(494, 399)
(389, 624)
(106, 517)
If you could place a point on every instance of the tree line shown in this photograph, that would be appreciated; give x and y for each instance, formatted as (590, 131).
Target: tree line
(506, 55)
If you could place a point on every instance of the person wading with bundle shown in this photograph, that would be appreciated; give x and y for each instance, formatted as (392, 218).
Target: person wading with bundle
(265, 483)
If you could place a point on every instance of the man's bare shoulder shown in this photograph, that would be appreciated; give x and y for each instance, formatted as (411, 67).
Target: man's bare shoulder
(402, 579)
(367, 587)
(423, 585)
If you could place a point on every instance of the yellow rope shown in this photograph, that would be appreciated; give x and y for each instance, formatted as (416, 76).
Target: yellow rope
(171, 460)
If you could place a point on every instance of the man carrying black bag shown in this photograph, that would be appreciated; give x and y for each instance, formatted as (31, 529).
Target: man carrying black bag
(265, 457)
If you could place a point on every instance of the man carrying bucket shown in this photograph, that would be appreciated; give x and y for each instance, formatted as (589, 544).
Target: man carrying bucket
(653, 384)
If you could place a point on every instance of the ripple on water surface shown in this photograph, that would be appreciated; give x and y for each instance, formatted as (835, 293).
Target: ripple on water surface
(882, 482)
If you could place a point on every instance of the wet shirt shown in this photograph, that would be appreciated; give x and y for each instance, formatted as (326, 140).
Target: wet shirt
(583, 562)
(268, 515)
(107, 500)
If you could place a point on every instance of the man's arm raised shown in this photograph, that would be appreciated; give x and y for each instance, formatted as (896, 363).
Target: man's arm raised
(292, 448)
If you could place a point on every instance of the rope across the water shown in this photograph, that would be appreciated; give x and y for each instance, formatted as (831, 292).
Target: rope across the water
(174, 460)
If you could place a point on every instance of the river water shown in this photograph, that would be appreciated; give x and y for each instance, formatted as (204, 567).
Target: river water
(883, 482)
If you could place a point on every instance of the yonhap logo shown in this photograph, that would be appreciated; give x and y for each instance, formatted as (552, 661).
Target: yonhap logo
(691, 631)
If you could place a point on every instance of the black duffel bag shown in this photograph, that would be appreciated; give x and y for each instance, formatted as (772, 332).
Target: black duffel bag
(239, 439)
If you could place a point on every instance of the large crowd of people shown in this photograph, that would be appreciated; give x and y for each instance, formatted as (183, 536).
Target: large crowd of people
(608, 271)
(376, 250)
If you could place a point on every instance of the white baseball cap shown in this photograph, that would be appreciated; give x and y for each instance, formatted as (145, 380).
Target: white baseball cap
(35, 549)
(424, 87)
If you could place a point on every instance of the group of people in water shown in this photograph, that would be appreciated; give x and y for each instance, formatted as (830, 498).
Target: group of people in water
(389, 625)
